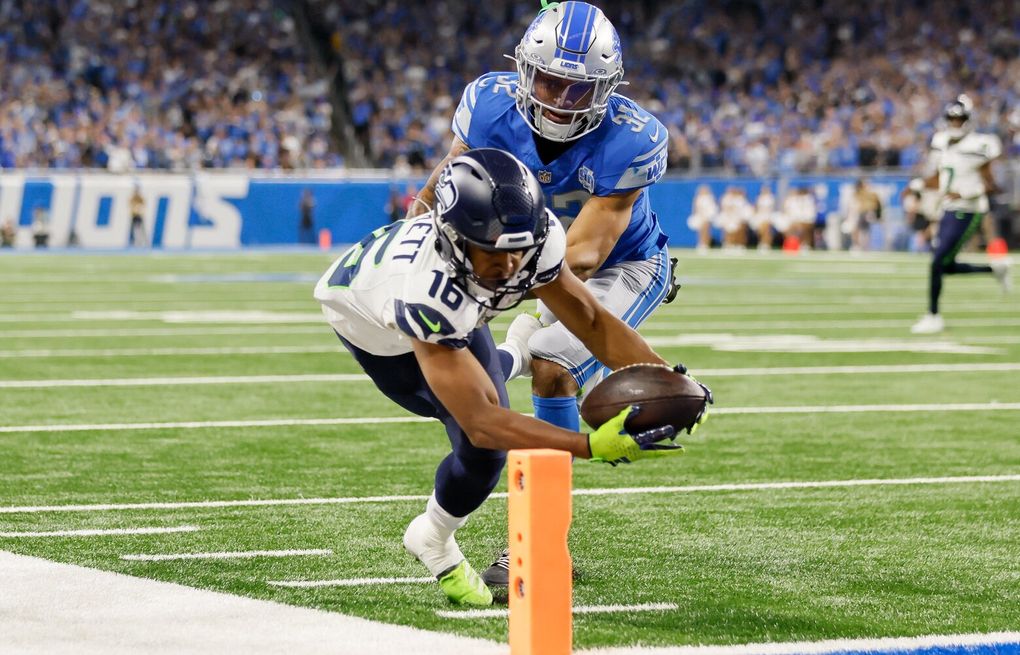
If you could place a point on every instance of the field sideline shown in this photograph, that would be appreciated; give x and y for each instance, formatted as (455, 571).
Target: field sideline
(188, 419)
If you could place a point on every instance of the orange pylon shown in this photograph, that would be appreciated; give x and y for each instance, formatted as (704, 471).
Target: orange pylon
(539, 507)
(997, 248)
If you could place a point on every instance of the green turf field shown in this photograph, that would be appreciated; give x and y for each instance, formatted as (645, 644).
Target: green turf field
(750, 564)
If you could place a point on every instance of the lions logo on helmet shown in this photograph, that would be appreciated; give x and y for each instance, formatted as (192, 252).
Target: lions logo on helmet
(569, 63)
(489, 199)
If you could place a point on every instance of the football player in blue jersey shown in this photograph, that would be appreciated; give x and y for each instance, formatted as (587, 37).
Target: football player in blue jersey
(412, 302)
(595, 154)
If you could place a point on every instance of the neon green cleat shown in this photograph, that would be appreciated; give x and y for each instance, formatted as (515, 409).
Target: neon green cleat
(463, 586)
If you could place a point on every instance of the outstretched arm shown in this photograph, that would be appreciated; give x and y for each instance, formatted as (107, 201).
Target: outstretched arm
(611, 340)
(462, 385)
(426, 197)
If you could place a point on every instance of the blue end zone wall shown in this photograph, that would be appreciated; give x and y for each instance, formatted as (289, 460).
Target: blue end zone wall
(229, 210)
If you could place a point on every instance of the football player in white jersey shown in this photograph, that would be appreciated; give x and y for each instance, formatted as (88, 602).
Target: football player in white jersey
(412, 302)
(596, 154)
(962, 174)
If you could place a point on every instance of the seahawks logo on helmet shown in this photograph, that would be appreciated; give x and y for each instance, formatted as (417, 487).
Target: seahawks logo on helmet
(488, 199)
(446, 191)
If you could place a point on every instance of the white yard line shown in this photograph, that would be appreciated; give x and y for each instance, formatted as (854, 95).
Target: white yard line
(188, 425)
(240, 554)
(225, 316)
(101, 533)
(171, 352)
(577, 609)
(162, 382)
(858, 409)
(361, 377)
(991, 338)
(62, 609)
(289, 422)
(354, 500)
(822, 484)
(843, 324)
(60, 333)
(289, 312)
(853, 370)
(973, 644)
(349, 582)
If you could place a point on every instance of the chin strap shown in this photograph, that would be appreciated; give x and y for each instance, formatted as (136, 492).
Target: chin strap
(547, 5)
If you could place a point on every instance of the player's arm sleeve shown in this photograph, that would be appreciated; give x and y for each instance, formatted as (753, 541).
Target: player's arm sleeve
(470, 113)
(633, 159)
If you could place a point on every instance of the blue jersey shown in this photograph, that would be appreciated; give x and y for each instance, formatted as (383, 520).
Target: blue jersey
(626, 152)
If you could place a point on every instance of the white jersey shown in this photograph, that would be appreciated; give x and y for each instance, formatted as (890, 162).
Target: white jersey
(734, 211)
(705, 210)
(959, 165)
(764, 210)
(393, 286)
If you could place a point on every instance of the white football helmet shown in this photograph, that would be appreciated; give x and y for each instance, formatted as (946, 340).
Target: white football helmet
(569, 63)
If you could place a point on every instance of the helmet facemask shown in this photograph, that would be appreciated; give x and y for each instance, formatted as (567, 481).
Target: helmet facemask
(568, 64)
(453, 248)
(488, 200)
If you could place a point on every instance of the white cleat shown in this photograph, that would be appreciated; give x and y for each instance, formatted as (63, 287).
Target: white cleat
(1000, 269)
(929, 324)
(518, 334)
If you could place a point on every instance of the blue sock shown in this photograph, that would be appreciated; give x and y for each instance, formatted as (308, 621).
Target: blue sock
(560, 411)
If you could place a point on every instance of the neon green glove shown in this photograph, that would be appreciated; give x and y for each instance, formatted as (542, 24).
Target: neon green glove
(612, 444)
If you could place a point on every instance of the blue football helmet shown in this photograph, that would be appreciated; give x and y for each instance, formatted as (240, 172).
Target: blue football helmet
(486, 197)
(568, 63)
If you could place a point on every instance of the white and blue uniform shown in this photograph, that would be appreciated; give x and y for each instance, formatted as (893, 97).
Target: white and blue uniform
(393, 287)
(625, 153)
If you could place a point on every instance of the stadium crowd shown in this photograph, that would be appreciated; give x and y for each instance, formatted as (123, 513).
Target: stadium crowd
(136, 84)
(752, 86)
(749, 86)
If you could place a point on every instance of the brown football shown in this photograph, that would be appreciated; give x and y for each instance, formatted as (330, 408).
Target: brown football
(665, 397)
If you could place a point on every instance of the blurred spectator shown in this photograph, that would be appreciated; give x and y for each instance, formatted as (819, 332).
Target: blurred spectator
(800, 209)
(863, 211)
(734, 213)
(920, 212)
(703, 217)
(306, 225)
(400, 202)
(8, 232)
(763, 218)
(137, 206)
(41, 226)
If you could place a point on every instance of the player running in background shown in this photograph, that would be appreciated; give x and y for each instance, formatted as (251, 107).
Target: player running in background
(961, 160)
(412, 302)
(595, 154)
